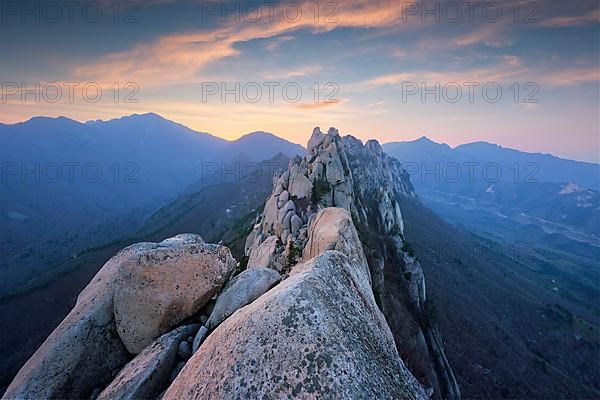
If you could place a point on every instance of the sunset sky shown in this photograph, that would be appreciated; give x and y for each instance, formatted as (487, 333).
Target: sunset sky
(366, 54)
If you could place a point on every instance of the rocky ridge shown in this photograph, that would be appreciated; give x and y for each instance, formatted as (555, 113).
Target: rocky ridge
(362, 179)
(318, 334)
(305, 315)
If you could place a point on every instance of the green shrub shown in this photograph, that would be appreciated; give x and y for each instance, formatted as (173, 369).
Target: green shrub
(397, 231)
(407, 248)
(320, 188)
(244, 262)
(294, 251)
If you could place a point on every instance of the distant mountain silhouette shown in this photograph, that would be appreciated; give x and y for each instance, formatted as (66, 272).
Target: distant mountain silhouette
(258, 146)
(67, 185)
(555, 194)
(536, 166)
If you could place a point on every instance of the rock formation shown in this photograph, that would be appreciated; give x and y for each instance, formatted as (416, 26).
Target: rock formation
(165, 284)
(241, 290)
(83, 351)
(367, 183)
(149, 372)
(315, 335)
(309, 317)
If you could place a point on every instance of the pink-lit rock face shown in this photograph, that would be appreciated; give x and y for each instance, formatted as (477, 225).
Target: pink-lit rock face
(166, 284)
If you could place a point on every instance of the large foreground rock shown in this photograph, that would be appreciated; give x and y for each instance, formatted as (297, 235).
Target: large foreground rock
(165, 284)
(317, 334)
(147, 375)
(84, 350)
(240, 291)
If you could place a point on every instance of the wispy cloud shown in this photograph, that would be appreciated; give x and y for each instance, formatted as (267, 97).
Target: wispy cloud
(294, 73)
(558, 78)
(275, 43)
(379, 103)
(571, 76)
(491, 35)
(181, 57)
(591, 17)
(509, 68)
(322, 105)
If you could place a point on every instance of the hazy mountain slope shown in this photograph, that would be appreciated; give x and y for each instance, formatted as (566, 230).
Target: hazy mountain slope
(541, 189)
(258, 146)
(518, 303)
(507, 333)
(68, 185)
(423, 150)
(516, 166)
(222, 211)
(549, 168)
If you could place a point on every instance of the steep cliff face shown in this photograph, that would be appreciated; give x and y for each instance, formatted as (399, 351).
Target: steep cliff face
(342, 172)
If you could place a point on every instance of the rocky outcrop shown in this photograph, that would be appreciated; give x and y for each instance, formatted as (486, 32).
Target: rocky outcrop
(367, 183)
(332, 229)
(380, 183)
(243, 289)
(165, 284)
(84, 349)
(262, 255)
(319, 180)
(300, 187)
(240, 291)
(315, 335)
(147, 375)
(130, 301)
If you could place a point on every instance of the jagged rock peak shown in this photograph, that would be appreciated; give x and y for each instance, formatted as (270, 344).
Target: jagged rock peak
(336, 172)
(374, 147)
(315, 139)
(362, 179)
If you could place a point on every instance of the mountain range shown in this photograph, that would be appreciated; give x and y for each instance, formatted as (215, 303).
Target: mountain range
(558, 196)
(503, 266)
(515, 166)
(506, 322)
(68, 185)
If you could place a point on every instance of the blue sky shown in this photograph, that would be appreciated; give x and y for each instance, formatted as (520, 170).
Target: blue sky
(373, 58)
